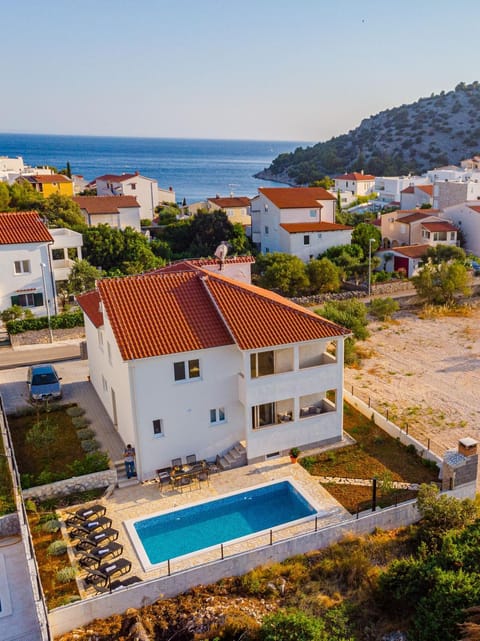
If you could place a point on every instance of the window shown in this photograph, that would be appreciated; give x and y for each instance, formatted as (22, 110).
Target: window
(319, 235)
(104, 384)
(157, 427)
(267, 251)
(22, 267)
(266, 229)
(57, 254)
(186, 370)
(133, 186)
(217, 415)
(262, 364)
(452, 235)
(28, 300)
(263, 415)
(313, 213)
(265, 207)
(425, 233)
(306, 239)
(100, 338)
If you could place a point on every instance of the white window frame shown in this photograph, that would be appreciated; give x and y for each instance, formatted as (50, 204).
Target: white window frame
(217, 415)
(22, 267)
(187, 370)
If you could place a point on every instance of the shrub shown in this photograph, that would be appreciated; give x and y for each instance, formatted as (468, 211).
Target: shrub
(93, 462)
(65, 575)
(383, 308)
(57, 548)
(80, 421)
(292, 625)
(62, 321)
(75, 411)
(51, 526)
(90, 445)
(85, 434)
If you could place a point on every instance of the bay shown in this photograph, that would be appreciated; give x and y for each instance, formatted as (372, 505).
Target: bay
(195, 168)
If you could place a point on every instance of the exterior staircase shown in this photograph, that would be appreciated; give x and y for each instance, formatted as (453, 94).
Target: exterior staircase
(122, 480)
(235, 457)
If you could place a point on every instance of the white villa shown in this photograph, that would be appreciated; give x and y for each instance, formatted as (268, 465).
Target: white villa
(356, 183)
(145, 190)
(296, 220)
(25, 263)
(118, 212)
(187, 360)
(467, 218)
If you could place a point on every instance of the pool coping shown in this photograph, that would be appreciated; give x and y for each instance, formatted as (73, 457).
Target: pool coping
(148, 566)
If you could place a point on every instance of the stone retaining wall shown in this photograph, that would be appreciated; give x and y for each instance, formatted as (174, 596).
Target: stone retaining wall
(9, 525)
(72, 485)
(42, 336)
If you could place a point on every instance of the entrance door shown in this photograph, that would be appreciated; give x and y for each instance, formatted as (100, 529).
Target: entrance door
(114, 408)
(400, 262)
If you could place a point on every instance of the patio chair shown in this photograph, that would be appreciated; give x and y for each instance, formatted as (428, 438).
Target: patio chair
(164, 477)
(94, 557)
(106, 571)
(95, 539)
(191, 459)
(84, 514)
(87, 527)
(176, 462)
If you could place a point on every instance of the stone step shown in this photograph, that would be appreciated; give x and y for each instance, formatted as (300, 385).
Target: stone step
(122, 480)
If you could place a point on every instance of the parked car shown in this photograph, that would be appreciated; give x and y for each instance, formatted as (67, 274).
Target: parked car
(43, 383)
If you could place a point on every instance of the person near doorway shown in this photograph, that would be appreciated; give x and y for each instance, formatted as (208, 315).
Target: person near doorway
(129, 458)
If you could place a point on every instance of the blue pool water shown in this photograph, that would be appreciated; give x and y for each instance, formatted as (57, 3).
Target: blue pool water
(187, 530)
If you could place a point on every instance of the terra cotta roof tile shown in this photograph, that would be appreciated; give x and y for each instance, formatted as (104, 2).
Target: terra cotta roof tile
(296, 197)
(19, 227)
(297, 228)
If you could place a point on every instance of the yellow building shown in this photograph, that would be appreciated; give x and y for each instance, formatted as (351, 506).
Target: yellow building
(50, 184)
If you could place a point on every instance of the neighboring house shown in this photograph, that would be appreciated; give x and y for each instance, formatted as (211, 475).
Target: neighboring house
(406, 259)
(471, 163)
(27, 276)
(275, 207)
(191, 361)
(46, 185)
(448, 193)
(389, 188)
(117, 211)
(308, 240)
(357, 183)
(466, 216)
(416, 227)
(145, 190)
(65, 250)
(79, 184)
(449, 173)
(237, 208)
(414, 196)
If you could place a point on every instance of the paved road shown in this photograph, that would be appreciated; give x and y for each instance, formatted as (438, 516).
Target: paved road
(50, 353)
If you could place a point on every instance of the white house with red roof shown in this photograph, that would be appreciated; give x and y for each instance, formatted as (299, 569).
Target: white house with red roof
(296, 220)
(357, 183)
(145, 190)
(415, 196)
(406, 259)
(416, 227)
(25, 263)
(237, 208)
(116, 211)
(466, 217)
(190, 361)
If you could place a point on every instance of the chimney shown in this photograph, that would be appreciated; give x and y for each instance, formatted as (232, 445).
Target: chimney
(137, 173)
(467, 446)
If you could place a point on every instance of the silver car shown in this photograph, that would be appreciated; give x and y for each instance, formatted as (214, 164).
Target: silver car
(43, 383)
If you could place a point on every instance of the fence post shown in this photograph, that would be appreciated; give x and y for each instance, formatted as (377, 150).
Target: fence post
(374, 494)
(369, 402)
(271, 537)
(221, 550)
(406, 428)
(387, 414)
(316, 523)
(428, 444)
(168, 566)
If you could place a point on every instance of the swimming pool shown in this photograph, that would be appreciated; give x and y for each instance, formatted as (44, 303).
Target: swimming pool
(183, 531)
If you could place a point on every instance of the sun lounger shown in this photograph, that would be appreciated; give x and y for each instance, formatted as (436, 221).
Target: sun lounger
(95, 539)
(94, 557)
(85, 514)
(100, 523)
(115, 585)
(107, 571)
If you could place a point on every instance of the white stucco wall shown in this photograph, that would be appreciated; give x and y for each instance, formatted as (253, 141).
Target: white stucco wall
(319, 242)
(468, 221)
(12, 284)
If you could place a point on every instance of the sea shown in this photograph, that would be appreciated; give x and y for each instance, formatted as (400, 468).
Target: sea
(195, 168)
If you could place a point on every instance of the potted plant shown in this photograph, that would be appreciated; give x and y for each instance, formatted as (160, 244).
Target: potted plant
(294, 454)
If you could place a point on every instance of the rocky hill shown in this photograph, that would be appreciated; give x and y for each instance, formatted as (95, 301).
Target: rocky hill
(439, 130)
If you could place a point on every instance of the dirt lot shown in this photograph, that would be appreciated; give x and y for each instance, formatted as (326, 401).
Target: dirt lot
(426, 372)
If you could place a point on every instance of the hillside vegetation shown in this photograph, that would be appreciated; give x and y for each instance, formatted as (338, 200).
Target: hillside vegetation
(439, 130)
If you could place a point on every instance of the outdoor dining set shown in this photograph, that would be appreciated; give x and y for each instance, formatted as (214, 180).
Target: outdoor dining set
(181, 474)
(99, 554)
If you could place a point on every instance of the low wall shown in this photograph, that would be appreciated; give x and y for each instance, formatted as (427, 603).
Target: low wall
(9, 525)
(390, 428)
(42, 336)
(68, 617)
(72, 485)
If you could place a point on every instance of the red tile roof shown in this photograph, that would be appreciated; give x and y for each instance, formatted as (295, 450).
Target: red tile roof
(414, 217)
(355, 176)
(90, 303)
(234, 201)
(48, 179)
(115, 178)
(408, 190)
(428, 189)
(296, 197)
(439, 226)
(105, 204)
(156, 314)
(298, 228)
(193, 263)
(412, 251)
(475, 208)
(19, 227)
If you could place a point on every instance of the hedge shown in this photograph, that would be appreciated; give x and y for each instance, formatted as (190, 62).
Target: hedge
(62, 321)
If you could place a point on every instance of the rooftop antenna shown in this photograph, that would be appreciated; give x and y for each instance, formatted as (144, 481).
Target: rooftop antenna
(221, 253)
(232, 185)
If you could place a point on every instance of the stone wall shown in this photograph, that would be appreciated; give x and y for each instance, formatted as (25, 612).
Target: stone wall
(42, 336)
(9, 525)
(72, 485)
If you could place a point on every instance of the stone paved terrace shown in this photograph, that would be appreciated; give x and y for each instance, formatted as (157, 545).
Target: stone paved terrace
(147, 499)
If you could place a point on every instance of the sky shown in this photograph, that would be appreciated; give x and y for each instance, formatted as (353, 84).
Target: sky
(302, 70)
